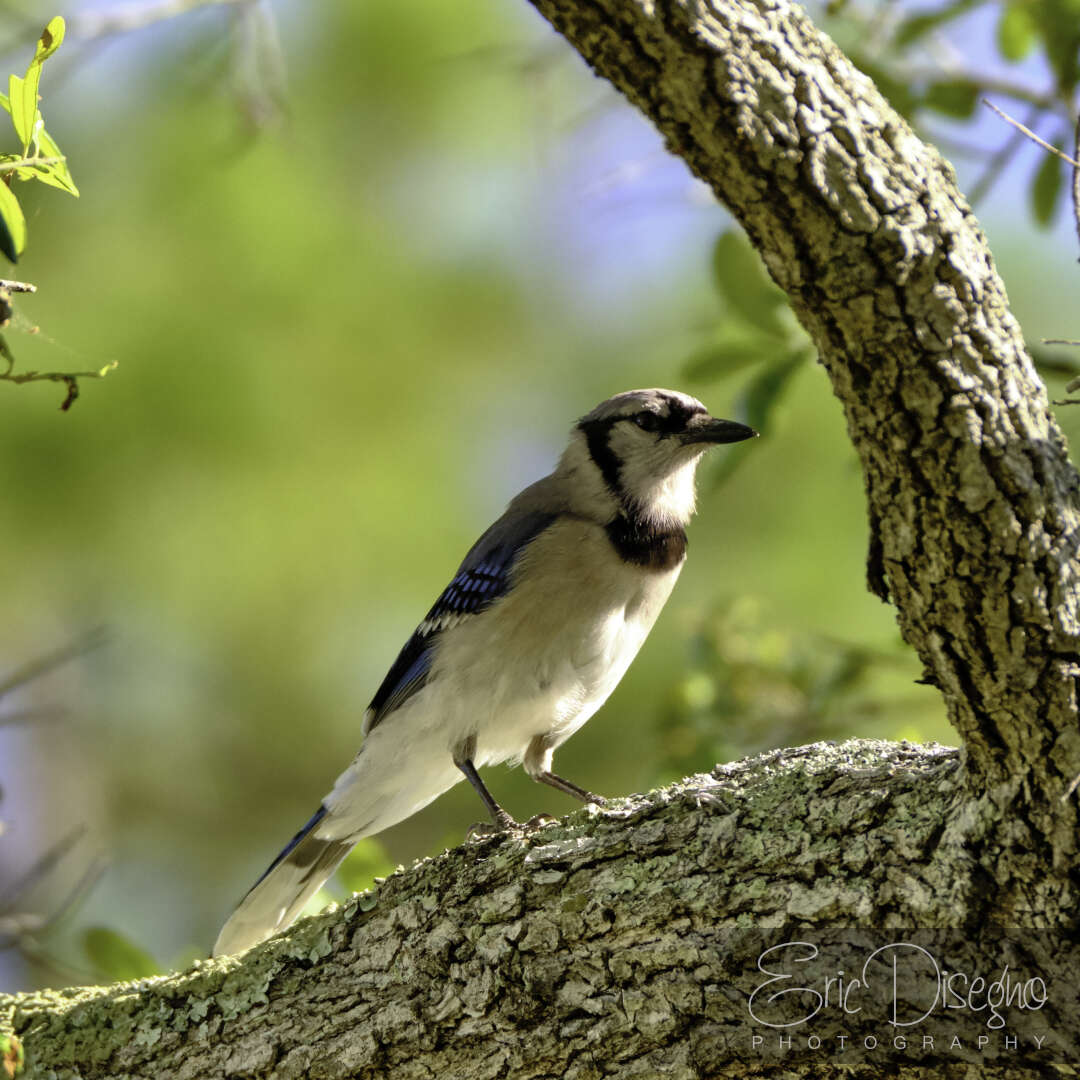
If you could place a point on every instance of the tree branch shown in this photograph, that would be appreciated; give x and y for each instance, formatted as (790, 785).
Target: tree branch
(611, 937)
(972, 500)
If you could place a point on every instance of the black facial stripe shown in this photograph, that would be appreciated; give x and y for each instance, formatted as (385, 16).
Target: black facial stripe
(678, 416)
(597, 438)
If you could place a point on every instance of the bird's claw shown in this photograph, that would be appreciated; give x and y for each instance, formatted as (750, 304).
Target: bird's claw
(482, 830)
(539, 821)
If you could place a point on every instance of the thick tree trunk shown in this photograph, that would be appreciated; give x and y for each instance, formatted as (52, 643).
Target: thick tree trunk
(603, 946)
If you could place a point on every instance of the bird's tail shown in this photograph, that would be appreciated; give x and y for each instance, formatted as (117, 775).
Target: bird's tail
(292, 879)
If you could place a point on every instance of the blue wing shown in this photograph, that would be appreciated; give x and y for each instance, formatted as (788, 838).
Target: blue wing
(481, 579)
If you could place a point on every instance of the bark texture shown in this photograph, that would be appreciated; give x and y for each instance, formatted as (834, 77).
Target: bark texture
(597, 947)
(605, 945)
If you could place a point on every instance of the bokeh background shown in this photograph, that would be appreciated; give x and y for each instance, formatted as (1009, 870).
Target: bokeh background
(362, 265)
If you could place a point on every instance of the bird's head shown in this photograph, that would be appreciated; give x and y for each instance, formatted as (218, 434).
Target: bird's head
(644, 446)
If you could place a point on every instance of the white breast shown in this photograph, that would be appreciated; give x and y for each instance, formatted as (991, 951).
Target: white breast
(549, 654)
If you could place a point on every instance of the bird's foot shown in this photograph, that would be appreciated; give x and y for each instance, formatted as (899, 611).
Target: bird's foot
(539, 821)
(481, 830)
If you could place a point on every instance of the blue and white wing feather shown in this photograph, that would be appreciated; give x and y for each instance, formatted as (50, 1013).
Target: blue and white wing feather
(484, 576)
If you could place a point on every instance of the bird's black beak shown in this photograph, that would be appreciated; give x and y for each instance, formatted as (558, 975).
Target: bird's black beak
(703, 428)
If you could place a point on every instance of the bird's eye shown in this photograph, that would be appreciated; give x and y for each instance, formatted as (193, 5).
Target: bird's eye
(647, 421)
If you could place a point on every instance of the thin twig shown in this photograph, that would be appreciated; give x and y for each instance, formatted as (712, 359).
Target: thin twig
(30, 944)
(1076, 176)
(18, 925)
(29, 162)
(987, 83)
(68, 378)
(32, 716)
(1032, 136)
(37, 953)
(44, 865)
(1002, 156)
(88, 879)
(55, 376)
(50, 661)
(128, 17)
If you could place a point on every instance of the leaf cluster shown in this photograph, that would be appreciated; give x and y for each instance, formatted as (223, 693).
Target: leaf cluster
(40, 157)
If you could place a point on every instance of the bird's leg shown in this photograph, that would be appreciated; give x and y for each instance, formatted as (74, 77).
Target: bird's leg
(463, 760)
(537, 762)
(548, 777)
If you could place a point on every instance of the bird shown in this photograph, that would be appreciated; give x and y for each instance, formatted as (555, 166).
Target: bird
(533, 633)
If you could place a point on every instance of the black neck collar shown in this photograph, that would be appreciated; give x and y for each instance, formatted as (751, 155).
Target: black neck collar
(645, 544)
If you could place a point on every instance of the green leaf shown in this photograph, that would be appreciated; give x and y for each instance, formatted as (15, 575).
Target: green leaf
(362, 865)
(1050, 362)
(723, 358)
(764, 391)
(115, 956)
(1016, 31)
(1046, 187)
(56, 174)
(741, 279)
(917, 26)
(754, 406)
(733, 457)
(953, 97)
(51, 39)
(922, 22)
(1058, 22)
(22, 95)
(13, 233)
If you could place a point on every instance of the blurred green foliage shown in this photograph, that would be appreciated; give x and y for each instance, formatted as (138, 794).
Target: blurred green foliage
(755, 330)
(750, 684)
(346, 341)
(366, 862)
(114, 956)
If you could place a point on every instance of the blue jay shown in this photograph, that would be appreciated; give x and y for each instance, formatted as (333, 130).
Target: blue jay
(527, 641)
